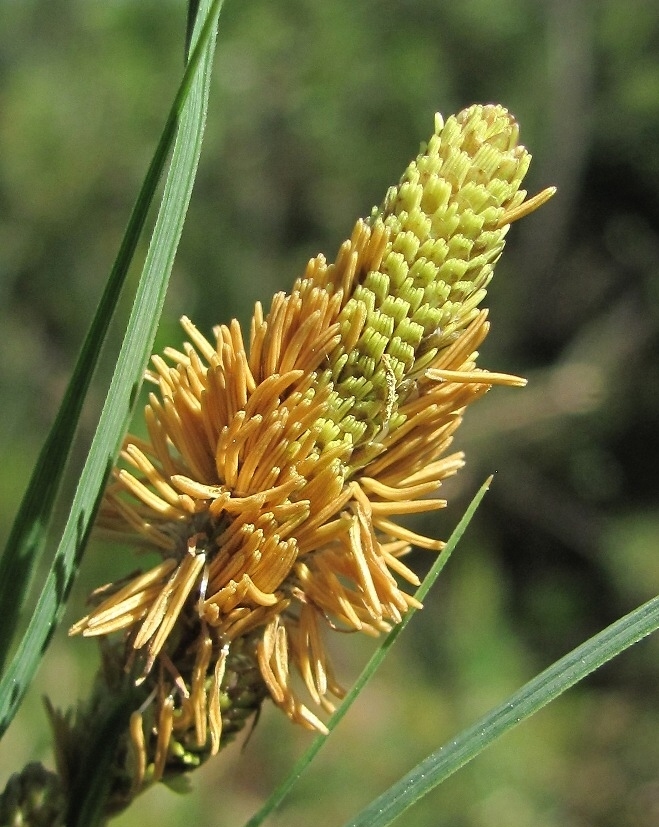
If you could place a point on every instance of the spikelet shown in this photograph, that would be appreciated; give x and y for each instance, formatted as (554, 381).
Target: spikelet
(276, 470)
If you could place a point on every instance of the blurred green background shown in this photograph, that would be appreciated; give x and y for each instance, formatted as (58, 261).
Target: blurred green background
(316, 109)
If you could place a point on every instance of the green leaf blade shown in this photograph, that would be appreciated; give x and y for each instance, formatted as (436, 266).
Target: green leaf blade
(369, 670)
(190, 105)
(535, 694)
(28, 535)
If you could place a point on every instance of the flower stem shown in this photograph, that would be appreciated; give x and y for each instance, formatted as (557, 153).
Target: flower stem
(92, 789)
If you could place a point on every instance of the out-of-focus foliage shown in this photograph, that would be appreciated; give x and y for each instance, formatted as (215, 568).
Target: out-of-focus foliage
(316, 109)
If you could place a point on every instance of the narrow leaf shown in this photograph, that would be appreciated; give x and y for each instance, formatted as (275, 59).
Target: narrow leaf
(303, 762)
(529, 699)
(132, 359)
(28, 535)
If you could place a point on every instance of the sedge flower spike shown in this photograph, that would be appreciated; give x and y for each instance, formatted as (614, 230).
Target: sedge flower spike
(276, 469)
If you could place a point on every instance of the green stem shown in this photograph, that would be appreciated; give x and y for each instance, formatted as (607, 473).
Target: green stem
(88, 796)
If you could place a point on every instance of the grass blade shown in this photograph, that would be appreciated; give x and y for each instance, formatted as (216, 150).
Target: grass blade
(126, 380)
(525, 702)
(28, 535)
(303, 762)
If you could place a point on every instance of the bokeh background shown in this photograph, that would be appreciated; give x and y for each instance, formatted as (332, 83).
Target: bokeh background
(316, 108)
